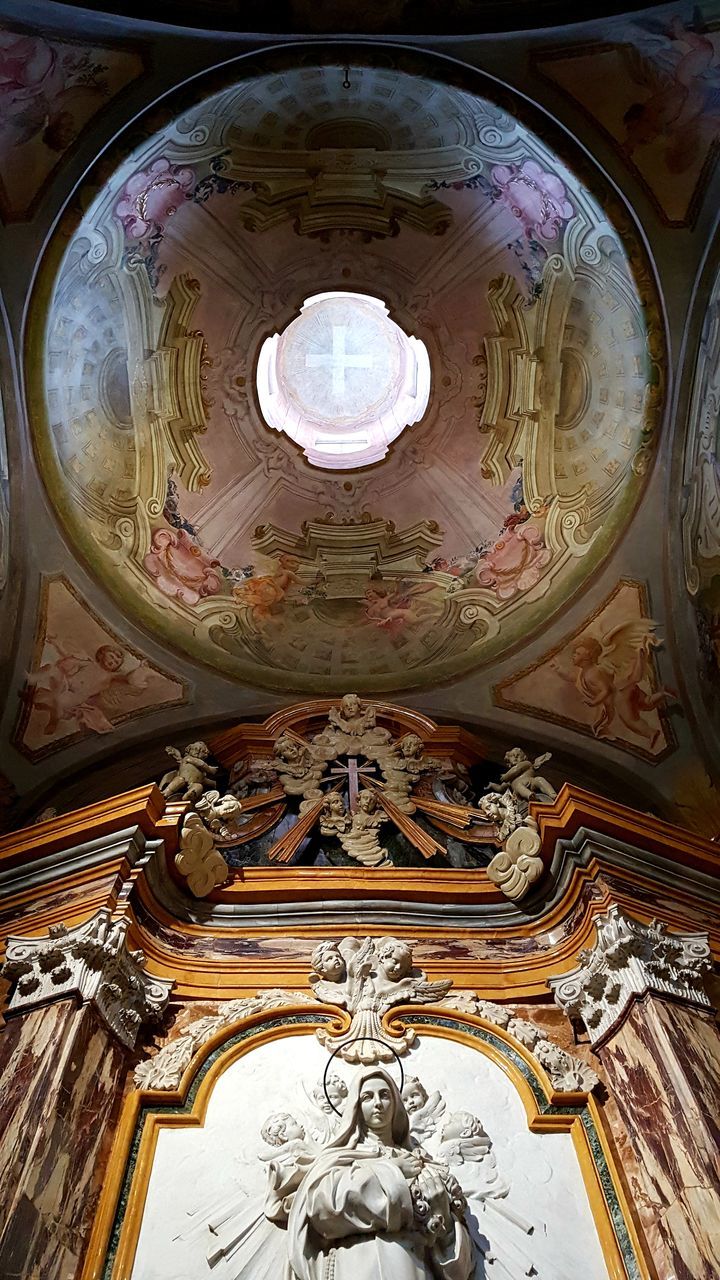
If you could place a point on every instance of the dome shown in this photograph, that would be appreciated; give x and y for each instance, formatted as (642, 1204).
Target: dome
(326, 405)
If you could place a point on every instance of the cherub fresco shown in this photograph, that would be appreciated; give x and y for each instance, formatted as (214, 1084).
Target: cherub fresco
(663, 111)
(180, 568)
(393, 606)
(81, 691)
(266, 592)
(602, 680)
(83, 680)
(48, 91)
(611, 674)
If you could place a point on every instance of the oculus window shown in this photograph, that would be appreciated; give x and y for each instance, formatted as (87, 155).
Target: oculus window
(343, 380)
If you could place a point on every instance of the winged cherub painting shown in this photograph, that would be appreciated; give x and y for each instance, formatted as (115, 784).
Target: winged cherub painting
(603, 679)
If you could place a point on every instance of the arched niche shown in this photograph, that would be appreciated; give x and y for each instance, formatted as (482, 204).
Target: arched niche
(188, 1161)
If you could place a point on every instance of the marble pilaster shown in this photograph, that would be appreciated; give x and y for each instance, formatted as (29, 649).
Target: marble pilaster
(640, 993)
(77, 1001)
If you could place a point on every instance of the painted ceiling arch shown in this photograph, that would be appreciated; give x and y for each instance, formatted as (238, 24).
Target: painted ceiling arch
(530, 293)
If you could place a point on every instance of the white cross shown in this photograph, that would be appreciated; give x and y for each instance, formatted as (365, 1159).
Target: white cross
(338, 360)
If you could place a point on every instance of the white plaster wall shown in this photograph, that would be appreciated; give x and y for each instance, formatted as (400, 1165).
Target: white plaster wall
(197, 1169)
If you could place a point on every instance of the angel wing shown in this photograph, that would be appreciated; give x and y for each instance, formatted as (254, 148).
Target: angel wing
(414, 991)
(651, 68)
(625, 649)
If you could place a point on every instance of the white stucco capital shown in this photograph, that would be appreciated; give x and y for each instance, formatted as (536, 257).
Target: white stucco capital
(628, 960)
(92, 962)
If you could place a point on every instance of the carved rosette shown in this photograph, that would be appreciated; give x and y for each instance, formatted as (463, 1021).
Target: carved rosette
(93, 963)
(628, 960)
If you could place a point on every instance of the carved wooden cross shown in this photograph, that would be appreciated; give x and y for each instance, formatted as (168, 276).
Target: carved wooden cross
(355, 774)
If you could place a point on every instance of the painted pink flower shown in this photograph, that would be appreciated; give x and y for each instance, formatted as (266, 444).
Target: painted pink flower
(515, 563)
(152, 196)
(179, 567)
(536, 198)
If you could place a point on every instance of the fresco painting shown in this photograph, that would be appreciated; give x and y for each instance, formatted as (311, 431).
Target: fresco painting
(226, 529)
(603, 680)
(84, 680)
(49, 90)
(655, 90)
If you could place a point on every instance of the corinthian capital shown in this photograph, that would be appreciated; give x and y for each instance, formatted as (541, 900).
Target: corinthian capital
(628, 960)
(92, 962)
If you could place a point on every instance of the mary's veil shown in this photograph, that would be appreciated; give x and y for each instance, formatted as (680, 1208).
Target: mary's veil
(351, 1129)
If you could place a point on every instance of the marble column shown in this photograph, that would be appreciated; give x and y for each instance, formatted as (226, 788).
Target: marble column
(640, 993)
(78, 999)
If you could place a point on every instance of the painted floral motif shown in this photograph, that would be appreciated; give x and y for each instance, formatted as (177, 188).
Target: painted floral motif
(152, 196)
(180, 568)
(536, 198)
(515, 563)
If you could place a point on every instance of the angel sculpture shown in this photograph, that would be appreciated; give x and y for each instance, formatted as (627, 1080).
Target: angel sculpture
(368, 978)
(522, 780)
(299, 768)
(192, 774)
(425, 1111)
(614, 677)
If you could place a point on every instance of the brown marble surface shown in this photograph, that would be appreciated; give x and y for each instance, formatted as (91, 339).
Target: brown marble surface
(663, 1068)
(61, 1073)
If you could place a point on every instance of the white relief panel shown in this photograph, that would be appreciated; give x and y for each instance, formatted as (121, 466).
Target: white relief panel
(527, 1210)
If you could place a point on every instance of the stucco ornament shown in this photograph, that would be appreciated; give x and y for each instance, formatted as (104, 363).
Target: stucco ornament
(198, 859)
(368, 977)
(567, 1073)
(164, 1070)
(383, 1194)
(516, 867)
(628, 960)
(357, 832)
(93, 962)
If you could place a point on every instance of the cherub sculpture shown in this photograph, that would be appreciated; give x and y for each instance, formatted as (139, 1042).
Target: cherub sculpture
(368, 978)
(520, 777)
(361, 841)
(299, 767)
(401, 764)
(192, 774)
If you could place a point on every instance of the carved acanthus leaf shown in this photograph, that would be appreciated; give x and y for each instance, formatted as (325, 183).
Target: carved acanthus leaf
(166, 1068)
(567, 1073)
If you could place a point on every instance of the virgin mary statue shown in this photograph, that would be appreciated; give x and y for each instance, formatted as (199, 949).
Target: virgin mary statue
(369, 1206)
(366, 1206)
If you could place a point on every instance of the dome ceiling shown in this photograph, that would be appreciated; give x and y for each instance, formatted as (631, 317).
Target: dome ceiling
(215, 531)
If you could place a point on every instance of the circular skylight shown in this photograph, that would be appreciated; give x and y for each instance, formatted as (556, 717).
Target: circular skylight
(343, 380)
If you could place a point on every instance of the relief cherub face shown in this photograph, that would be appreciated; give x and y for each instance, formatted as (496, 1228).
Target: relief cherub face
(414, 1096)
(350, 706)
(282, 1128)
(395, 960)
(328, 962)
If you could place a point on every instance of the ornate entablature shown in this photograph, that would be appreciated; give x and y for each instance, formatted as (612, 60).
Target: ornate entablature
(353, 784)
